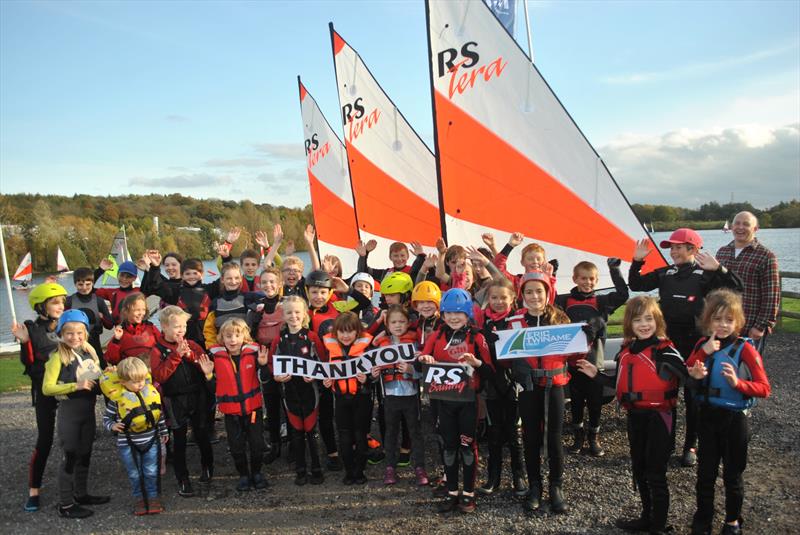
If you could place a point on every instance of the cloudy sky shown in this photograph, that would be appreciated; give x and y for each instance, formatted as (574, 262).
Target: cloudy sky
(686, 102)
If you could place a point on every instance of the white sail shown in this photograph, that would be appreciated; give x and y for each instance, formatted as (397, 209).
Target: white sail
(24, 272)
(61, 262)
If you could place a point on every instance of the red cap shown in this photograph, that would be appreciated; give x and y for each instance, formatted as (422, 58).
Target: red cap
(533, 276)
(683, 235)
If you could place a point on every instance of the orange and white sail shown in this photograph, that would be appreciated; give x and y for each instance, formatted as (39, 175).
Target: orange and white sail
(510, 156)
(329, 180)
(393, 172)
(61, 262)
(25, 270)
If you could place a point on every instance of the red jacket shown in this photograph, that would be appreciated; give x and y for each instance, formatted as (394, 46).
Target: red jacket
(238, 387)
(136, 340)
(439, 347)
(165, 359)
(115, 297)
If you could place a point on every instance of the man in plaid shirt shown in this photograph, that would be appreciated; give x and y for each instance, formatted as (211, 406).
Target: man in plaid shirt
(758, 268)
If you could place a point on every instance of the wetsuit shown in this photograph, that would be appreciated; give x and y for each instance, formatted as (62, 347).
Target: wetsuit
(96, 310)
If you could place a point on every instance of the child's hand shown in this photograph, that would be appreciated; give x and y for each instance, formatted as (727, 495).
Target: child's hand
(470, 359)
(263, 355)
(371, 245)
(641, 250)
(183, 348)
(380, 336)
(416, 248)
(118, 332)
(277, 234)
(309, 234)
(712, 345)
(729, 373)
(118, 427)
(706, 261)
(206, 364)
(441, 246)
(477, 257)
(430, 261)
(426, 359)
(698, 370)
(106, 264)
(233, 235)
(308, 379)
(360, 248)
(110, 368)
(261, 239)
(403, 367)
(88, 384)
(375, 372)
(614, 262)
(327, 383)
(20, 332)
(328, 263)
(488, 239)
(155, 257)
(362, 378)
(587, 368)
(285, 378)
(290, 248)
(548, 269)
(223, 249)
(515, 238)
(339, 285)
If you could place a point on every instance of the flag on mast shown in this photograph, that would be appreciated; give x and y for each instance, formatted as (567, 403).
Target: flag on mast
(510, 157)
(329, 181)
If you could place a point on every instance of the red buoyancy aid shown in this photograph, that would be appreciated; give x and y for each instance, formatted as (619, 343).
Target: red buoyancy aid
(245, 286)
(590, 302)
(443, 351)
(269, 326)
(391, 373)
(136, 340)
(638, 383)
(543, 370)
(238, 387)
(322, 319)
(335, 353)
(194, 301)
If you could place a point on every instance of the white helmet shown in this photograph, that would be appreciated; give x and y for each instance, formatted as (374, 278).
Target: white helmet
(363, 277)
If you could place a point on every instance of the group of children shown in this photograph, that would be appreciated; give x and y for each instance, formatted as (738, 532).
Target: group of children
(214, 352)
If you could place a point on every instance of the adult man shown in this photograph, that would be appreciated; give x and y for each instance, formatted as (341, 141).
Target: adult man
(757, 267)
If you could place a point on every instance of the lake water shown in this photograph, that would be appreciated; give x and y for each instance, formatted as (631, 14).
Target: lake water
(785, 243)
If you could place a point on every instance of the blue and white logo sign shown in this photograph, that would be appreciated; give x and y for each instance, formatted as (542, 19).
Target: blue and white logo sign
(551, 340)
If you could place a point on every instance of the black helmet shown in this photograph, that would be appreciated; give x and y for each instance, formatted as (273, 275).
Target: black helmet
(319, 278)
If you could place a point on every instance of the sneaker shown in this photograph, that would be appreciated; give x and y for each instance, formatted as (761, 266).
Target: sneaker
(389, 477)
(440, 489)
(260, 482)
(32, 504)
(376, 456)
(467, 504)
(333, 464)
(74, 510)
(727, 529)
(404, 458)
(360, 479)
(348, 480)
(300, 479)
(140, 509)
(633, 524)
(244, 484)
(206, 474)
(92, 500)
(422, 477)
(316, 477)
(185, 488)
(689, 457)
(154, 506)
(448, 504)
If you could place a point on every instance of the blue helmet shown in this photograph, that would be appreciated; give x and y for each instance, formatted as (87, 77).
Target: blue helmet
(72, 315)
(456, 300)
(129, 268)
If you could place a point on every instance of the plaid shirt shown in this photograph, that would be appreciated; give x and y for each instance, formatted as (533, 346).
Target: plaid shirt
(758, 268)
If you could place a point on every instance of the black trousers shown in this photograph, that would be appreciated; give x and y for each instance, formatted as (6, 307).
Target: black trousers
(45, 408)
(326, 417)
(351, 418)
(76, 428)
(724, 436)
(246, 432)
(503, 416)
(685, 338)
(271, 392)
(585, 393)
(183, 411)
(651, 435)
(458, 423)
(532, 410)
(404, 434)
(302, 412)
(401, 410)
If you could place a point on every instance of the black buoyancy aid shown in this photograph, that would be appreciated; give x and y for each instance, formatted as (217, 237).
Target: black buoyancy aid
(227, 306)
(680, 293)
(639, 384)
(194, 300)
(69, 374)
(41, 343)
(187, 377)
(502, 383)
(89, 306)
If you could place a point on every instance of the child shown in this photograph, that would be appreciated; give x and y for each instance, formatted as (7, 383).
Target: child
(95, 308)
(71, 374)
(649, 370)
(126, 275)
(533, 258)
(731, 374)
(400, 389)
(370, 316)
(582, 306)
(235, 368)
(501, 394)
(541, 401)
(250, 260)
(457, 342)
(134, 413)
(172, 266)
(681, 290)
(37, 340)
(135, 334)
(347, 340)
(300, 393)
(230, 303)
(293, 281)
(425, 299)
(398, 256)
(175, 362)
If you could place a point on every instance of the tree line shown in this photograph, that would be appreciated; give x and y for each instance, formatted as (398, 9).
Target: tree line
(84, 225)
(713, 215)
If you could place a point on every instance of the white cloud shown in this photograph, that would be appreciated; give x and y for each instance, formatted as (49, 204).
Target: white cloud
(282, 151)
(236, 162)
(196, 180)
(688, 168)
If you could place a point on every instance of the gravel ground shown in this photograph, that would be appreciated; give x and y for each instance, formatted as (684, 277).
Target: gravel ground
(597, 490)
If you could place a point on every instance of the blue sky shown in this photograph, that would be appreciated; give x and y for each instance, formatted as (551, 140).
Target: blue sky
(686, 101)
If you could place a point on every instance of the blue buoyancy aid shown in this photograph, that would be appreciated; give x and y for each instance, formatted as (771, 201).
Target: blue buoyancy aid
(715, 389)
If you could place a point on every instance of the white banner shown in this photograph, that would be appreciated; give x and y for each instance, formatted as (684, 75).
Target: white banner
(344, 369)
(551, 340)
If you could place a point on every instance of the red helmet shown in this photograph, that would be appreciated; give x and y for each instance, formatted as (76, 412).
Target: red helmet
(533, 276)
